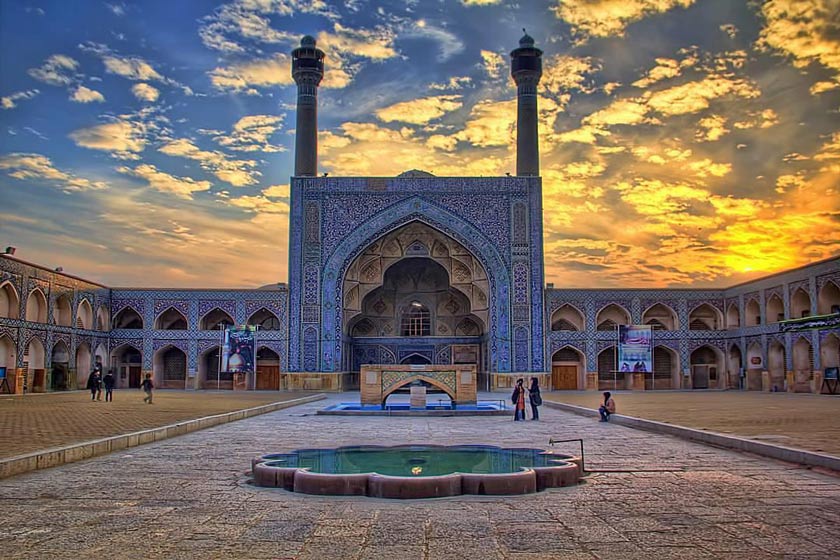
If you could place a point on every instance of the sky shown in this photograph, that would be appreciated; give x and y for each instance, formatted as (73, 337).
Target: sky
(684, 143)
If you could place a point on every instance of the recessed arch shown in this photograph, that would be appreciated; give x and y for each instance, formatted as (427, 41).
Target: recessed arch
(171, 320)
(170, 366)
(84, 315)
(776, 364)
(707, 368)
(268, 370)
(35, 357)
(8, 356)
(705, 317)
(9, 301)
(127, 360)
(800, 304)
(84, 364)
(734, 363)
(416, 359)
(102, 318)
(666, 369)
(608, 378)
(209, 374)
(774, 309)
(63, 311)
(753, 313)
(610, 316)
(215, 319)
(128, 318)
(828, 299)
(567, 317)
(830, 351)
(803, 364)
(661, 317)
(568, 367)
(419, 377)
(264, 319)
(36, 306)
(733, 316)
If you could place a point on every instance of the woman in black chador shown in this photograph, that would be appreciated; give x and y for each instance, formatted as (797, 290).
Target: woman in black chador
(535, 398)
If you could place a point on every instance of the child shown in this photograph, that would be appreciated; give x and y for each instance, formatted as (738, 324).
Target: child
(147, 386)
(109, 382)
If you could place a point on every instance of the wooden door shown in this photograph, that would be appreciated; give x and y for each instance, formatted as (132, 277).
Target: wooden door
(134, 377)
(564, 378)
(268, 378)
(700, 377)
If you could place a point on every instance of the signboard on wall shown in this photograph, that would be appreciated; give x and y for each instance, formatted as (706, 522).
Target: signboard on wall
(635, 348)
(238, 349)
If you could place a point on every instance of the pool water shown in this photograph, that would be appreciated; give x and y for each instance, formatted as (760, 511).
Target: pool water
(481, 406)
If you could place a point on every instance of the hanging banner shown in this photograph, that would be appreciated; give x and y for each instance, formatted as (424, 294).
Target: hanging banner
(635, 348)
(238, 349)
(811, 323)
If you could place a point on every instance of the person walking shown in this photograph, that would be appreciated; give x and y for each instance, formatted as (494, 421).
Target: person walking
(518, 400)
(607, 408)
(535, 398)
(147, 387)
(109, 382)
(94, 383)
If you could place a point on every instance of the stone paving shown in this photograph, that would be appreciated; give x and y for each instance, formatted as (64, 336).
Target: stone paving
(651, 497)
(804, 421)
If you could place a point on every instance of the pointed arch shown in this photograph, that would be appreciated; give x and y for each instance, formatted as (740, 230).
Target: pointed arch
(800, 304)
(128, 318)
(707, 367)
(610, 316)
(127, 358)
(734, 364)
(419, 377)
(776, 363)
(84, 363)
(63, 311)
(265, 320)
(661, 317)
(705, 317)
(35, 356)
(102, 318)
(84, 315)
(9, 301)
(36, 306)
(828, 299)
(170, 367)
(830, 351)
(774, 309)
(8, 355)
(214, 319)
(607, 377)
(568, 367)
(803, 365)
(753, 313)
(666, 369)
(171, 320)
(268, 370)
(733, 316)
(567, 317)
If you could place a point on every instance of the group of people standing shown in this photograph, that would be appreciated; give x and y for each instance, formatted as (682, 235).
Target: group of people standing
(96, 381)
(520, 394)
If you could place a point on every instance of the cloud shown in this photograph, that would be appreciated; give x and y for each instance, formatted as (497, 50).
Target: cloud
(145, 92)
(421, 110)
(711, 128)
(695, 96)
(239, 173)
(480, 2)
(491, 123)
(122, 137)
(448, 43)
(251, 134)
(133, 68)
(620, 111)
(729, 29)
(86, 95)
(563, 73)
(821, 87)
(454, 83)
(277, 191)
(665, 68)
(182, 187)
(493, 63)
(25, 166)
(806, 30)
(759, 119)
(57, 70)
(8, 102)
(243, 77)
(603, 18)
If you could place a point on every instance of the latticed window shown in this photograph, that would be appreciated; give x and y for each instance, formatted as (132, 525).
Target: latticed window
(416, 320)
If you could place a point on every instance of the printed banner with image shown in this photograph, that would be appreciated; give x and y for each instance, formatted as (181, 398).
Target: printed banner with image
(238, 350)
(635, 348)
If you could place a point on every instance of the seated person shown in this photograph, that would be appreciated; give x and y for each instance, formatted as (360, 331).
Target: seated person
(607, 408)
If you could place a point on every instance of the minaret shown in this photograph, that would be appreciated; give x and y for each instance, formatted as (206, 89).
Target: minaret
(526, 69)
(307, 71)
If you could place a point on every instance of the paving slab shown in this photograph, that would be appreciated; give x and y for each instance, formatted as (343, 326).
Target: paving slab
(189, 497)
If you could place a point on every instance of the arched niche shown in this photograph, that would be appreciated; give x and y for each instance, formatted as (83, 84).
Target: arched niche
(430, 381)
(707, 368)
(568, 366)
(733, 317)
(608, 379)
(830, 351)
(828, 299)
(800, 304)
(666, 369)
(35, 357)
(84, 315)
(9, 301)
(36, 306)
(128, 362)
(753, 314)
(774, 309)
(171, 320)
(268, 370)
(128, 318)
(84, 364)
(567, 318)
(733, 366)
(611, 316)
(209, 374)
(660, 317)
(8, 355)
(704, 317)
(776, 363)
(214, 320)
(102, 318)
(265, 320)
(170, 366)
(63, 311)
(803, 365)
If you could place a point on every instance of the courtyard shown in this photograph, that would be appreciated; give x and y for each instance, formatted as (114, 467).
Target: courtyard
(649, 496)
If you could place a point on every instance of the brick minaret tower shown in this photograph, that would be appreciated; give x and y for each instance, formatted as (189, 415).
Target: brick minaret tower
(307, 71)
(526, 69)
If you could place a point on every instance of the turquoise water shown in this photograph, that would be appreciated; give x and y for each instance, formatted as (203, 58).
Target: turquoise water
(415, 460)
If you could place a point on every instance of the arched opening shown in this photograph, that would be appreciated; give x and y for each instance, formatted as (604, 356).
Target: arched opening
(443, 396)
(415, 359)
(776, 365)
(128, 318)
(753, 313)
(36, 307)
(828, 299)
(704, 317)
(608, 378)
(800, 304)
(84, 315)
(567, 369)
(208, 371)
(127, 362)
(265, 320)
(60, 378)
(610, 317)
(102, 320)
(733, 318)
(268, 370)
(171, 320)
(63, 311)
(170, 368)
(829, 353)
(661, 318)
(706, 368)
(34, 359)
(84, 364)
(666, 370)
(215, 320)
(755, 365)
(774, 309)
(733, 367)
(8, 358)
(100, 358)
(567, 318)
(803, 365)
(9, 301)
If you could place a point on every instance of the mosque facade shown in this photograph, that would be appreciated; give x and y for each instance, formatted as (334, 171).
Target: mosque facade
(418, 269)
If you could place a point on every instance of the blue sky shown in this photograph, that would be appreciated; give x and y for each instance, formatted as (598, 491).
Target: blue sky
(683, 142)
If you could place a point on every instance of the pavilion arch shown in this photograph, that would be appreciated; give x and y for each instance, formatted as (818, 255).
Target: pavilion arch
(610, 316)
(666, 369)
(9, 301)
(607, 377)
(171, 320)
(776, 364)
(102, 318)
(830, 351)
(63, 310)
(752, 311)
(209, 376)
(84, 364)
(803, 365)
(567, 318)
(35, 356)
(8, 356)
(568, 369)
(60, 378)
(661, 317)
(128, 318)
(214, 319)
(36, 306)
(800, 304)
(127, 360)
(419, 377)
(84, 315)
(733, 316)
(170, 366)
(705, 317)
(265, 320)
(828, 299)
(734, 362)
(774, 309)
(707, 368)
